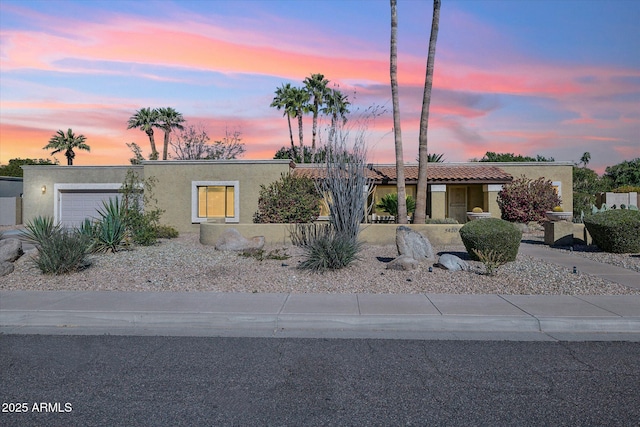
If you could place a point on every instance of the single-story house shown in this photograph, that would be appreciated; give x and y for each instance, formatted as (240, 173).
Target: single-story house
(194, 191)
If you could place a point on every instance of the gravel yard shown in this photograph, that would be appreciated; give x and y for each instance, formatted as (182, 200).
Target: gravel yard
(183, 264)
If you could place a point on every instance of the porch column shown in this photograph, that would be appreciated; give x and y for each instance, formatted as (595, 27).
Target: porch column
(438, 201)
(491, 199)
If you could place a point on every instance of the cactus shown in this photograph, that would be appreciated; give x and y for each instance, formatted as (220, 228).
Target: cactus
(477, 210)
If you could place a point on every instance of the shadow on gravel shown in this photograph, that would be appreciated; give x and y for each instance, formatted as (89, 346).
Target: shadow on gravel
(384, 259)
(532, 242)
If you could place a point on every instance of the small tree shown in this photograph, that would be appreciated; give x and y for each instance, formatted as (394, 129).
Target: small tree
(13, 167)
(292, 199)
(525, 200)
(192, 143)
(139, 216)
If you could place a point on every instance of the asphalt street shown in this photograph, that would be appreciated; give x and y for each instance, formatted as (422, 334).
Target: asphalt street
(191, 381)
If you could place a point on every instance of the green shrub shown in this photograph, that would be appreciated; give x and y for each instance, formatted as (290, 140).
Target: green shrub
(62, 252)
(292, 199)
(491, 234)
(140, 220)
(616, 231)
(166, 232)
(389, 204)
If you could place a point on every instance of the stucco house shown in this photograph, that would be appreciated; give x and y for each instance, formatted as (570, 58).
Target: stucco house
(192, 192)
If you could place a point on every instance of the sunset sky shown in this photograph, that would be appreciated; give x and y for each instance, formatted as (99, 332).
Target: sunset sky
(551, 77)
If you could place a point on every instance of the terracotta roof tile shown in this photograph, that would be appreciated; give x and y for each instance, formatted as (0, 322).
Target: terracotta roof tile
(445, 173)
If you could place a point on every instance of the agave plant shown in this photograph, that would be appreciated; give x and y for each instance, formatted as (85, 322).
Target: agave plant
(109, 231)
(39, 229)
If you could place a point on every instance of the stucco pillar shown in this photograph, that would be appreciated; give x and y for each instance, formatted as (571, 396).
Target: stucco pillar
(491, 199)
(438, 201)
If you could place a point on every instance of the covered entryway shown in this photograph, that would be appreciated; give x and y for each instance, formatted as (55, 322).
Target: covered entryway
(75, 202)
(457, 206)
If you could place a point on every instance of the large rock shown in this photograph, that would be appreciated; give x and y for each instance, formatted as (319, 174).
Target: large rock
(232, 240)
(10, 250)
(413, 244)
(452, 263)
(403, 262)
(5, 268)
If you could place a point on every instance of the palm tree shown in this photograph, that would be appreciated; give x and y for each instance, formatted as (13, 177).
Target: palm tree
(67, 142)
(421, 196)
(145, 119)
(402, 194)
(168, 119)
(282, 101)
(336, 106)
(316, 87)
(299, 106)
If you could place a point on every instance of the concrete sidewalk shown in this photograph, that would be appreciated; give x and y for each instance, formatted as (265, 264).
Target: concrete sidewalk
(620, 275)
(416, 316)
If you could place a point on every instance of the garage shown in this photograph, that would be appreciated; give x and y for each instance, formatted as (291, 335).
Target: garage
(76, 204)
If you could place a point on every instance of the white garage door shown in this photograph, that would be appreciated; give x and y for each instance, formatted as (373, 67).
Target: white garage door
(75, 206)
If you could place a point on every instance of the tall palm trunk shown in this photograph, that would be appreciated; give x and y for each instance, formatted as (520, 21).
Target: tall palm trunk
(165, 148)
(402, 194)
(154, 152)
(300, 135)
(290, 134)
(421, 197)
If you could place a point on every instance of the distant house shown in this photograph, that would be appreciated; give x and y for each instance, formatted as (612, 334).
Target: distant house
(191, 192)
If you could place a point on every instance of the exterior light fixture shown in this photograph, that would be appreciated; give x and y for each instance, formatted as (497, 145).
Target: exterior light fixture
(44, 189)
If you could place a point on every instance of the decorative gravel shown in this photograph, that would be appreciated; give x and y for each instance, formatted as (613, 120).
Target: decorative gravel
(183, 264)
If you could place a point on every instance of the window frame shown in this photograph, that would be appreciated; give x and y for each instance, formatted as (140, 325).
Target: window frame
(195, 219)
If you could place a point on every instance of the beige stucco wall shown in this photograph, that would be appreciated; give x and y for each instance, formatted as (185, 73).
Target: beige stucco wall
(36, 203)
(375, 234)
(553, 171)
(174, 185)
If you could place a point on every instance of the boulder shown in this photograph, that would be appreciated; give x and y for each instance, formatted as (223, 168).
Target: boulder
(232, 240)
(5, 268)
(452, 263)
(403, 262)
(10, 250)
(413, 244)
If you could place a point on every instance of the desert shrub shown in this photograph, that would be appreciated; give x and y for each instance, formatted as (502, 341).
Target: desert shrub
(140, 219)
(525, 200)
(63, 251)
(616, 231)
(292, 199)
(329, 250)
(166, 232)
(39, 229)
(491, 234)
(491, 259)
(389, 204)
